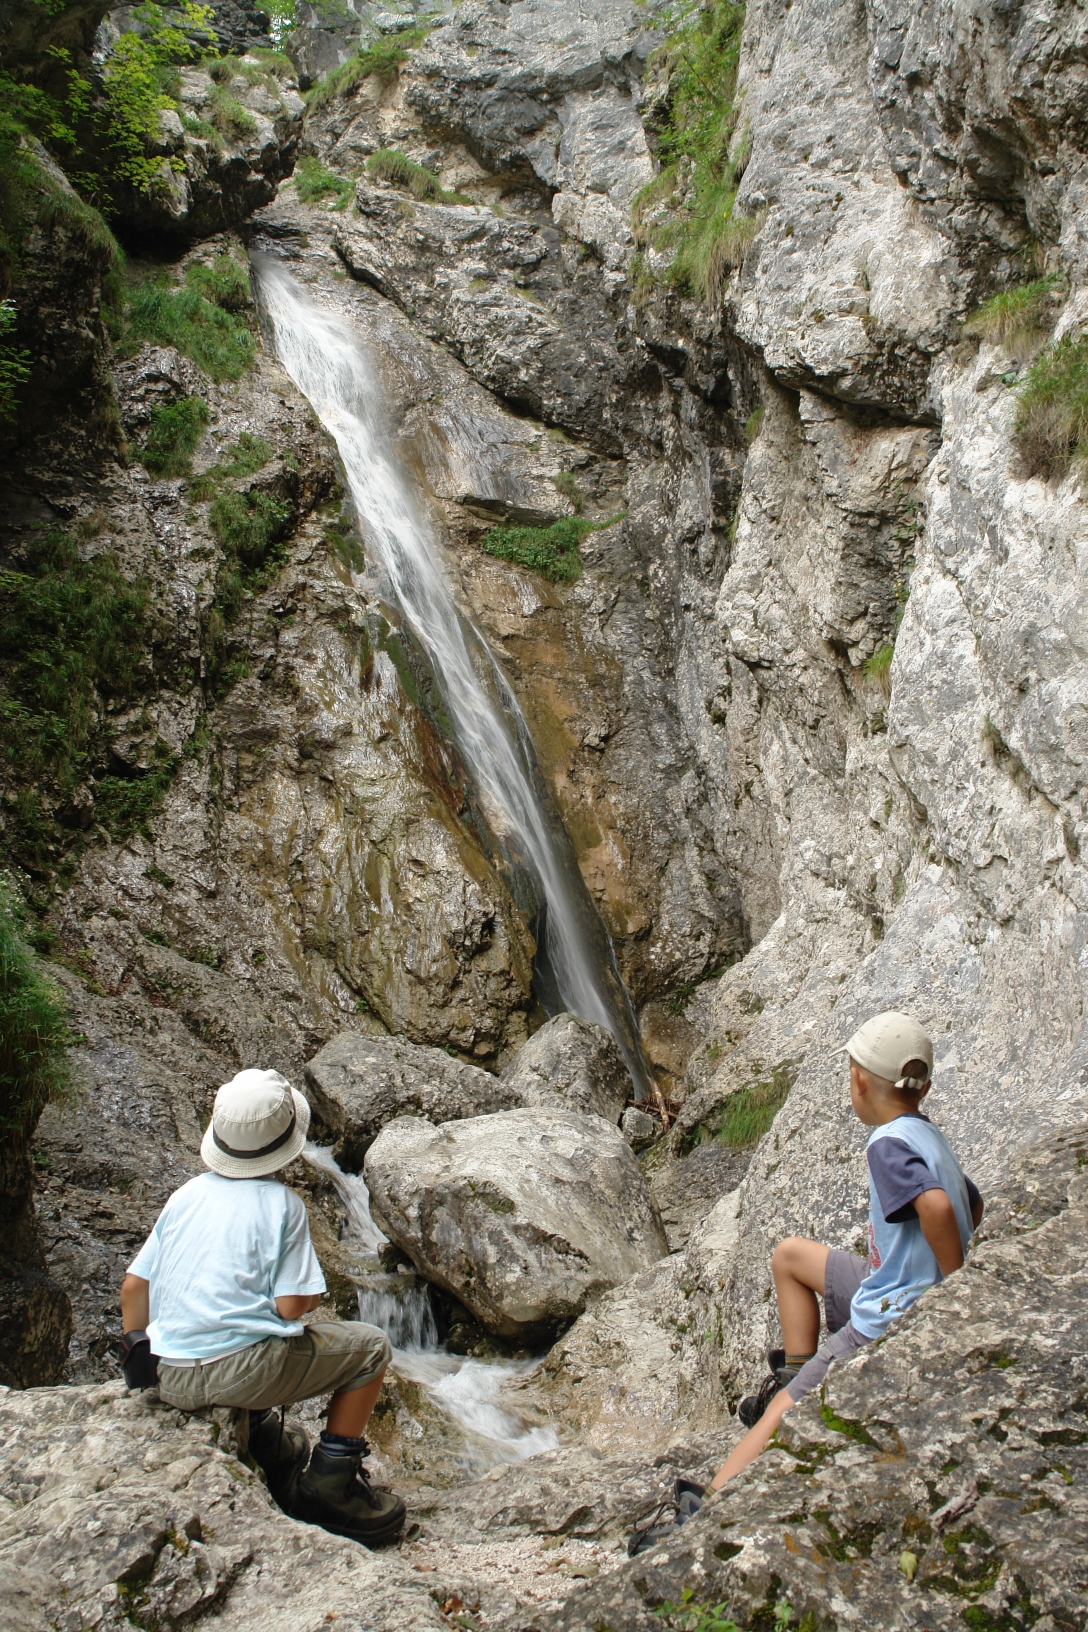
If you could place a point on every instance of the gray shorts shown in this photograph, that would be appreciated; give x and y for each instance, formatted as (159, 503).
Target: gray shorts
(842, 1277)
(325, 1358)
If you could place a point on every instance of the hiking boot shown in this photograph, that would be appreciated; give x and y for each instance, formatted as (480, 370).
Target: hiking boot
(667, 1517)
(280, 1450)
(752, 1407)
(335, 1492)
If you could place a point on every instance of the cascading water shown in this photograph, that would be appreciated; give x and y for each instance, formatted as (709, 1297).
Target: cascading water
(467, 1390)
(327, 361)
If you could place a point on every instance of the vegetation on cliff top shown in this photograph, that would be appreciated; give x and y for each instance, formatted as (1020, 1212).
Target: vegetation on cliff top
(383, 57)
(686, 212)
(34, 1033)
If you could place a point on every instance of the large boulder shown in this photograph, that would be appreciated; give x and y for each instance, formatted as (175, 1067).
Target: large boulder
(574, 1065)
(526, 1216)
(357, 1084)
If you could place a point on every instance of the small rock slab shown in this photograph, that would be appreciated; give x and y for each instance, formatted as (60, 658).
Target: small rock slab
(573, 1065)
(526, 1216)
(357, 1084)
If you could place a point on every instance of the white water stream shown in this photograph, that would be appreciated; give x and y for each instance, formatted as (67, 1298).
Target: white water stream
(327, 361)
(468, 1391)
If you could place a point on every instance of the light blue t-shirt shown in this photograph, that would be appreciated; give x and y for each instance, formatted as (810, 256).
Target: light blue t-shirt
(221, 1252)
(901, 1262)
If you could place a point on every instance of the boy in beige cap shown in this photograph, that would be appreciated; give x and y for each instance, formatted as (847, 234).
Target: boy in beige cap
(922, 1214)
(211, 1309)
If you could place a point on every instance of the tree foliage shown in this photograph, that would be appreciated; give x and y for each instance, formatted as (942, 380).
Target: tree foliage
(34, 1033)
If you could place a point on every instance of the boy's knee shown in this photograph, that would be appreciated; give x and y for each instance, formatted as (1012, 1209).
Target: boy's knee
(785, 1254)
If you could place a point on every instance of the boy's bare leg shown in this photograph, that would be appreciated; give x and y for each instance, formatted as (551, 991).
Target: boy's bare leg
(754, 1440)
(349, 1412)
(798, 1267)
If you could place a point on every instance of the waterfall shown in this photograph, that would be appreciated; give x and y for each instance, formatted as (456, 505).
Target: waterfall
(328, 362)
(468, 1391)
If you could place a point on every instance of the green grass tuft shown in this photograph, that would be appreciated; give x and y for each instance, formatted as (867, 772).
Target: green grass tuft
(1052, 412)
(878, 667)
(249, 455)
(175, 431)
(313, 182)
(390, 164)
(34, 1035)
(384, 58)
(687, 210)
(1016, 315)
(743, 1117)
(554, 552)
(202, 317)
(230, 117)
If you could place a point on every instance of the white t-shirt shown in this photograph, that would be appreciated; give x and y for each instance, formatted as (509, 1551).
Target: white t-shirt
(221, 1252)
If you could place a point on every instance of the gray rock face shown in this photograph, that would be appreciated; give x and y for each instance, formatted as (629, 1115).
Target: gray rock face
(960, 1440)
(357, 1084)
(573, 1064)
(639, 1129)
(525, 1216)
(116, 1507)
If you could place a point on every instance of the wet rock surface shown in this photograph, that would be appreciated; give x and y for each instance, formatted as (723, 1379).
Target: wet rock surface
(525, 1216)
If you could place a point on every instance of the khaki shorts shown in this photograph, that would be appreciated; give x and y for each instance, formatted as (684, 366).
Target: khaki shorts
(327, 1357)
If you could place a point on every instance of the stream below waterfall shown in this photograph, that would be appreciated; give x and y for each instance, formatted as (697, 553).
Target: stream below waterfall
(466, 1390)
(576, 967)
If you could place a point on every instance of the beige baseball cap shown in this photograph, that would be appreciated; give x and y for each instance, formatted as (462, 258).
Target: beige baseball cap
(259, 1123)
(885, 1044)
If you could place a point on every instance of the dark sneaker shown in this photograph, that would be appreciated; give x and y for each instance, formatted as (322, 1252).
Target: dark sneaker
(667, 1517)
(752, 1407)
(335, 1492)
(280, 1450)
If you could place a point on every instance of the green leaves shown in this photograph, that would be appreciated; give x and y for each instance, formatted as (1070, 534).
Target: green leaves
(137, 80)
(14, 361)
(34, 1033)
(688, 207)
(552, 551)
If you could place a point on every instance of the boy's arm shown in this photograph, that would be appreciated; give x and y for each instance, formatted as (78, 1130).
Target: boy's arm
(293, 1308)
(938, 1220)
(754, 1441)
(135, 1303)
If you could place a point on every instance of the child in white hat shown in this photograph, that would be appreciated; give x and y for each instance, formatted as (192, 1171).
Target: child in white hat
(922, 1214)
(211, 1310)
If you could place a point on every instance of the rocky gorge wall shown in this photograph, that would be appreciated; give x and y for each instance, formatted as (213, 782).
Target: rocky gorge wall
(818, 465)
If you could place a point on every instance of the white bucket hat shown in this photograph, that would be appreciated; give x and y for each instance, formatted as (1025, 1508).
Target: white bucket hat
(259, 1123)
(888, 1042)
